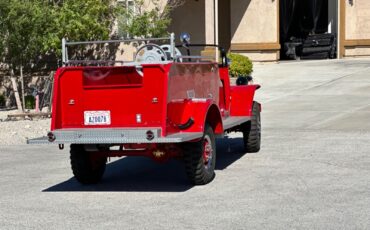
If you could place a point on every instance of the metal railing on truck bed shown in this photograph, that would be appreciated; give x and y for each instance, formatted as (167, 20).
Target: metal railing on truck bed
(150, 52)
(66, 61)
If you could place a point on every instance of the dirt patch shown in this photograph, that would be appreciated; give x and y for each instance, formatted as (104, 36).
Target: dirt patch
(17, 132)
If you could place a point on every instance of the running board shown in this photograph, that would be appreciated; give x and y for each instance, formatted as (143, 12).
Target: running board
(233, 121)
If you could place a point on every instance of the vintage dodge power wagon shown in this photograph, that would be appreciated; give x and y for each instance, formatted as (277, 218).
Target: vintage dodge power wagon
(164, 104)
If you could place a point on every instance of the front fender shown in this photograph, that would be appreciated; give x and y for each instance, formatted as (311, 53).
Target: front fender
(242, 98)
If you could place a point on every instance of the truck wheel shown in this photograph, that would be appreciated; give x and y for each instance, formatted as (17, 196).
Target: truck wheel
(200, 158)
(87, 167)
(252, 131)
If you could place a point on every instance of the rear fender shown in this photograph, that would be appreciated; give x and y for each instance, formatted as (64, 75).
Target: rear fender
(214, 119)
(242, 98)
(192, 115)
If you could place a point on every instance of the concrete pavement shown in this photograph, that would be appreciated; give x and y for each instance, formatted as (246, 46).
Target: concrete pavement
(311, 173)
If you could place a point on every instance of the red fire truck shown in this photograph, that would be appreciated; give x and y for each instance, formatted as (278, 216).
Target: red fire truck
(165, 103)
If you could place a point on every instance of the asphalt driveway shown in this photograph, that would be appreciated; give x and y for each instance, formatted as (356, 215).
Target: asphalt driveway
(313, 171)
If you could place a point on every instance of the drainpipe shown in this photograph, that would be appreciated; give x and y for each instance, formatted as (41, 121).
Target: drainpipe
(214, 22)
(215, 28)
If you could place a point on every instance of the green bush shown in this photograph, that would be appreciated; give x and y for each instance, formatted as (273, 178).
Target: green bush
(29, 102)
(241, 66)
(2, 100)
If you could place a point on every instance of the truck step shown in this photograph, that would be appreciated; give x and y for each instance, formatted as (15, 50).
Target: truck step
(234, 121)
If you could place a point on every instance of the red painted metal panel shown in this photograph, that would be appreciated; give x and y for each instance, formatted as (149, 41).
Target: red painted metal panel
(224, 91)
(181, 111)
(192, 88)
(165, 96)
(242, 99)
(113, 77)
(55, 113)
(214, 118)
(120, 91)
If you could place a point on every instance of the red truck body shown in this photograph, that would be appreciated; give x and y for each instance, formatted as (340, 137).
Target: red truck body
(160, 110)
(165, 97)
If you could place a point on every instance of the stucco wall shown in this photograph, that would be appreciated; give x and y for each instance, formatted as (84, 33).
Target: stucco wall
(357, 19)
(261, 56)
(357, 28)
(254, 21)
(357, 51)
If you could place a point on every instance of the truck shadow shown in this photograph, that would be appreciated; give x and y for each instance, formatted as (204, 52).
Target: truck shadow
(140, 174)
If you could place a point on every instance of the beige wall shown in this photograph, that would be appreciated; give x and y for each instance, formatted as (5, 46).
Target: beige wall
(210, 22)
(255, 23)
(239, 22)
(358, 20)
(357, 51)
(262, 56)
(357, 28)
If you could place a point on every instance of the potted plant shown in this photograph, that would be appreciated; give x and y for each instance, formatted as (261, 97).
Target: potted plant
(241, 68)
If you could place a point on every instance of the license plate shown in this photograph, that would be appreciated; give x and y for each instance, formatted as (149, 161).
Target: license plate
(97, 117)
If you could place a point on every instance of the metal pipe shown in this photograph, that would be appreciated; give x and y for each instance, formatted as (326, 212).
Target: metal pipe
(172, 46)
(117, 41)
(214, 22)
(63, 51)
(65, 43)
(197, 57)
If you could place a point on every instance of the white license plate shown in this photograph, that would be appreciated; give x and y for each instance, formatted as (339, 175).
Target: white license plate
(97, 117)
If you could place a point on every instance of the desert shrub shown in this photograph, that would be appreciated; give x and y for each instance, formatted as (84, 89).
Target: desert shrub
(29, 102)
(241, 66)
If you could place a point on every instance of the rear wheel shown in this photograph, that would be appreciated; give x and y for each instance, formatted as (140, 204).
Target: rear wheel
(252, 131)
(87, 167)
(200, 158)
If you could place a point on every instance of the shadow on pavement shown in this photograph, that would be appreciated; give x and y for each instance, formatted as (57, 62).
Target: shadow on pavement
(140, 174)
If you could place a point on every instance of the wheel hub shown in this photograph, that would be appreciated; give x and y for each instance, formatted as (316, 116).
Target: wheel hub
(207, 151)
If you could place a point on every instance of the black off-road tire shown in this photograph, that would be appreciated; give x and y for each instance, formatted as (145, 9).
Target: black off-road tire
(252, 131)
(87, 167)
(198, 169)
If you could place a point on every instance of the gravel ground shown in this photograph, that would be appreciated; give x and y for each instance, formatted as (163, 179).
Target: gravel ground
(17, 132)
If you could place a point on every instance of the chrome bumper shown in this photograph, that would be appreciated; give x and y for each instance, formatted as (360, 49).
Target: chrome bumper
(113, 136)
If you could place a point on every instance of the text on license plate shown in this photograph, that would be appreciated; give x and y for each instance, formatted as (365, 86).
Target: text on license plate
(97, 117)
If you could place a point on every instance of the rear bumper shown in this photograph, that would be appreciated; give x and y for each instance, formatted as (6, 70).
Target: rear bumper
(113, 136)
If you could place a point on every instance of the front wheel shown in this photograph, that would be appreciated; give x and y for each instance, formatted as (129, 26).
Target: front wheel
(200, 158)
(87, 167)
(252, 131)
